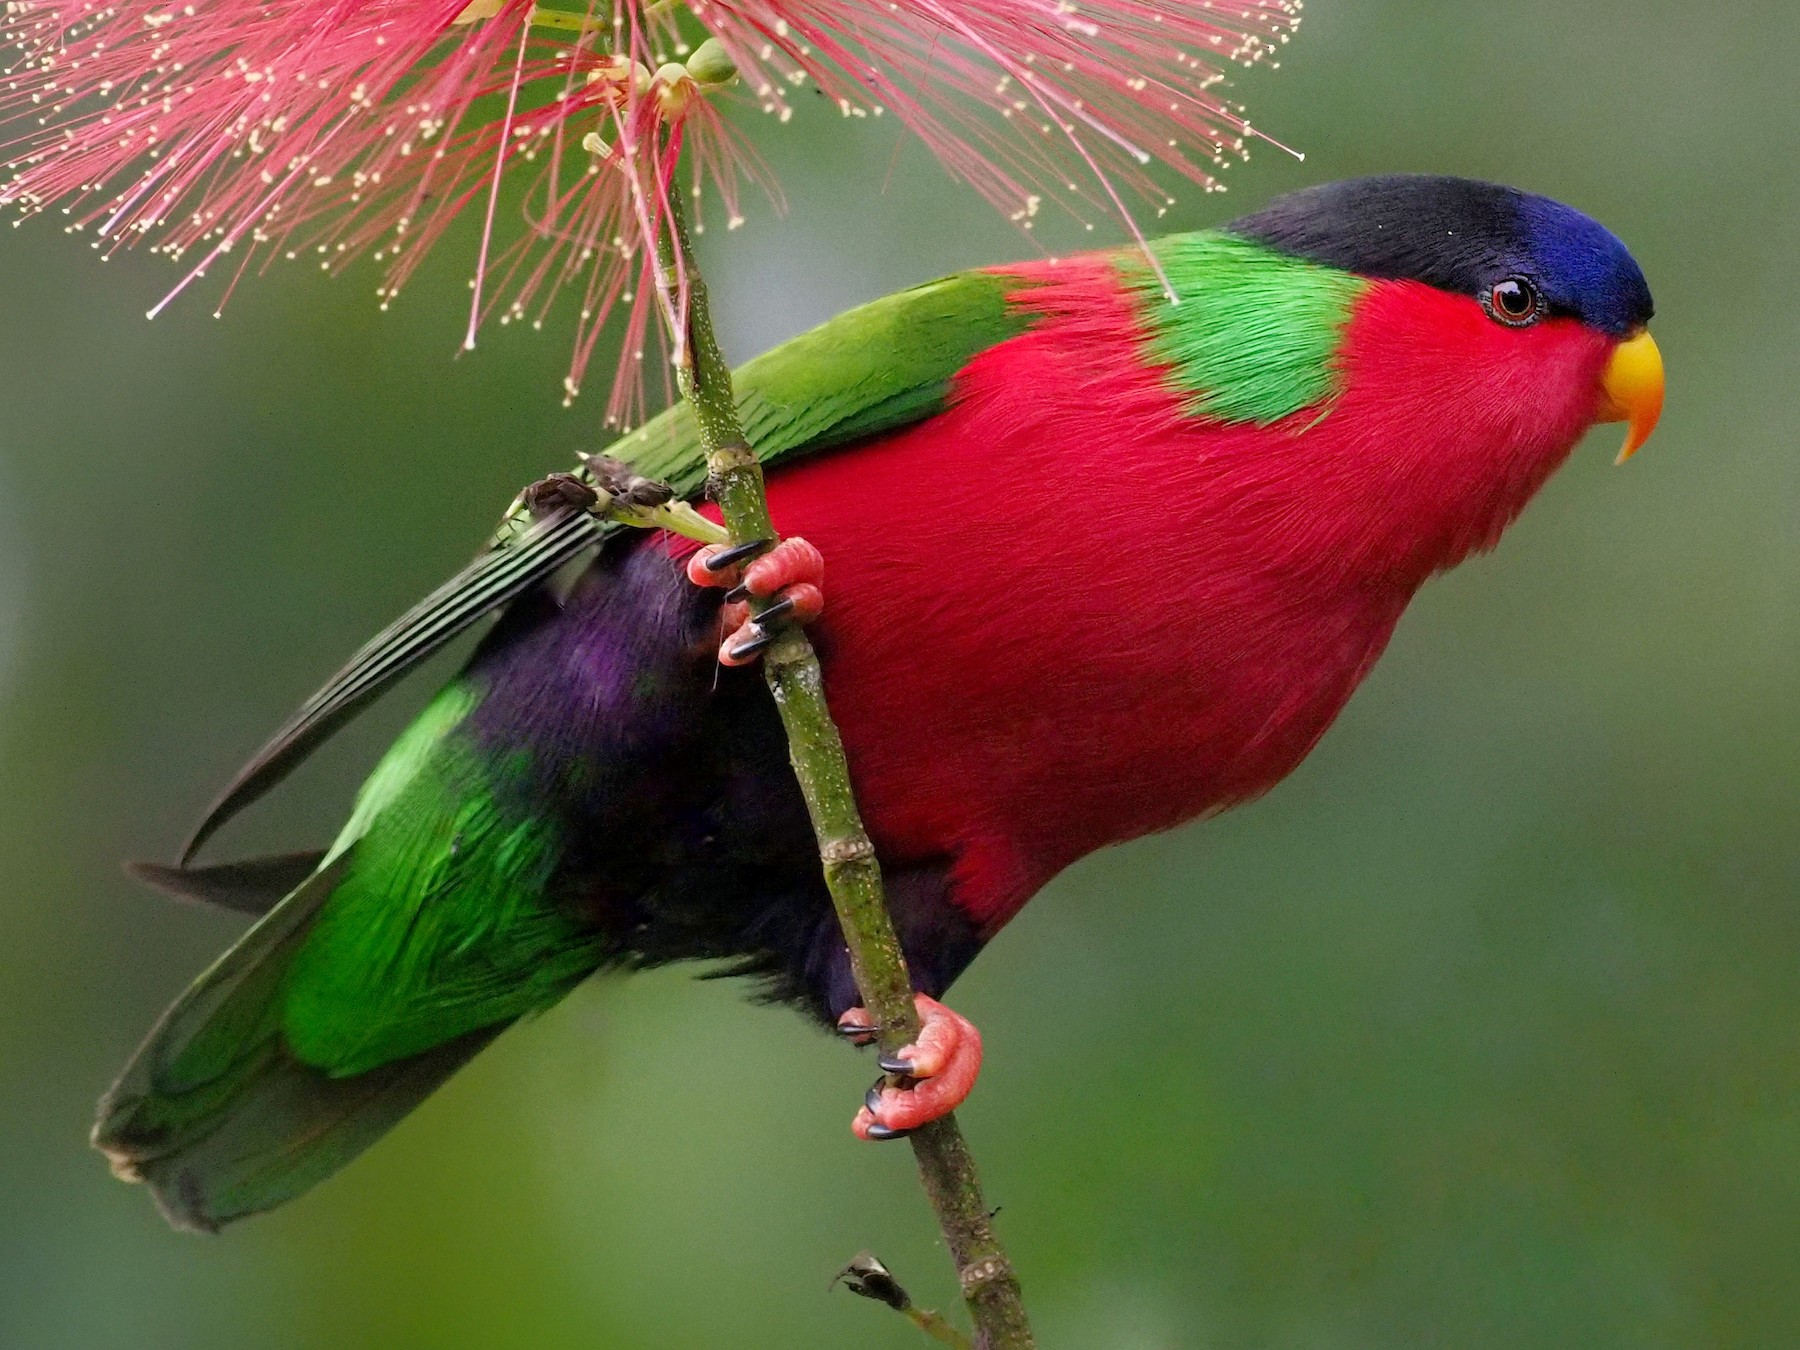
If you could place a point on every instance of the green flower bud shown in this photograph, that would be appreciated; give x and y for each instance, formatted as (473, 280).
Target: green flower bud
(711, 64)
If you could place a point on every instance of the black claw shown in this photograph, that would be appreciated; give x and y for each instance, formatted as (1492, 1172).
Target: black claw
(752, 646)
(731, 557)
(737, 594)
(775, 613)
(858, 1035)
(881, 1133)
(872, 1098)
(895, 1064)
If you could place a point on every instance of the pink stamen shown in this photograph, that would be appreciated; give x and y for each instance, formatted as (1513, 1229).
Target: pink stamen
(339, 128)
(487, 224)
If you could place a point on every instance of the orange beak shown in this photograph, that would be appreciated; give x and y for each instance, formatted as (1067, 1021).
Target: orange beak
(1631, 391)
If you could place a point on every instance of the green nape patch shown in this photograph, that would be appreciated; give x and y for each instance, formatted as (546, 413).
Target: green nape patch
(1254, 331)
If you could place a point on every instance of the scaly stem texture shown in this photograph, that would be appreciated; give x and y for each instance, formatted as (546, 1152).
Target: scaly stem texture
(852, 873)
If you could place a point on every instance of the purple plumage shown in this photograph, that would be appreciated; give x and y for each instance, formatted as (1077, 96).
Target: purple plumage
(683, 834)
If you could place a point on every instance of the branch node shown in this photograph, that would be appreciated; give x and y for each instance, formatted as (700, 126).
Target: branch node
(729, 457)
(978, 1275)
(838, 851)
(558, 492)
(867, 1276)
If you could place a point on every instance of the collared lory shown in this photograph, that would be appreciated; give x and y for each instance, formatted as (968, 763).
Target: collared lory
(1232, 460)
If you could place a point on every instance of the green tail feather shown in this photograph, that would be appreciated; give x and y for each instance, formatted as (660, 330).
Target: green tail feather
(218, 1118)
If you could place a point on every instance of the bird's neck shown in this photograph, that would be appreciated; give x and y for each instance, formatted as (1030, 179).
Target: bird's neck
(1447, 425)
(1374, 431)
(1439, 426)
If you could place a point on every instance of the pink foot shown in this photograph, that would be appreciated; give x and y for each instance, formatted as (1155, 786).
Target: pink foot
(790, 576)
(940, 1067)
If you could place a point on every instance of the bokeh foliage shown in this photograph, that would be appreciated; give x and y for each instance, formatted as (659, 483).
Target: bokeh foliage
(1483, 1031)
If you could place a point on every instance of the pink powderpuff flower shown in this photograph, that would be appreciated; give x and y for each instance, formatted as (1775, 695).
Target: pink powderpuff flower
(227, 131)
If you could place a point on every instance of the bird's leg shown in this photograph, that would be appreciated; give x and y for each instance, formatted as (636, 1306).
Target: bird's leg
(938, 1070)
(790, 577)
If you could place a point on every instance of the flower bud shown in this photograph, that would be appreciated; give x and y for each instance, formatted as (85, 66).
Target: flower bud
(711, 64)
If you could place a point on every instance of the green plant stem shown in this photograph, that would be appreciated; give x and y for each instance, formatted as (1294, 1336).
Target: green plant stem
(934, 1326)
(946, 1166)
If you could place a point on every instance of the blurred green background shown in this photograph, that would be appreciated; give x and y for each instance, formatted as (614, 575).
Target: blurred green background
(1482, 1031)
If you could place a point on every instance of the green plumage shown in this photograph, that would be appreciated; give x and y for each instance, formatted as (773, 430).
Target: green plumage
(1252, 334)
(883, 365)
(422, 934)
(427, 928)
(439, 924)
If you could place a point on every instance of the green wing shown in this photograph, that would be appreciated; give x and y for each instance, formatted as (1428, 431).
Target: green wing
(871, 370)
(438, 923)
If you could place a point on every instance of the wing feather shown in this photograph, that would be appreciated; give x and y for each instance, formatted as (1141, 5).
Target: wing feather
(496, 578)
(885, 365)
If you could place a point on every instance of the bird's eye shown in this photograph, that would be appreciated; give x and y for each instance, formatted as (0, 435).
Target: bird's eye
(1514, 302)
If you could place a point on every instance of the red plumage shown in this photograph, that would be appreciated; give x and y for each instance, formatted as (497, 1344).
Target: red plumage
(1065, 608)
(1119, 617)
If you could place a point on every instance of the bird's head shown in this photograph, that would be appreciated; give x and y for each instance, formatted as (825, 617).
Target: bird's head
(1528, 262)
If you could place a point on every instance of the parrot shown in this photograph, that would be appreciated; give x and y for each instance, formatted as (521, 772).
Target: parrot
(1232, 456)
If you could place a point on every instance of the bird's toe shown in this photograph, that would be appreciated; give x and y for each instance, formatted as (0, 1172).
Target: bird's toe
(928, 1079)
(789, 577)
